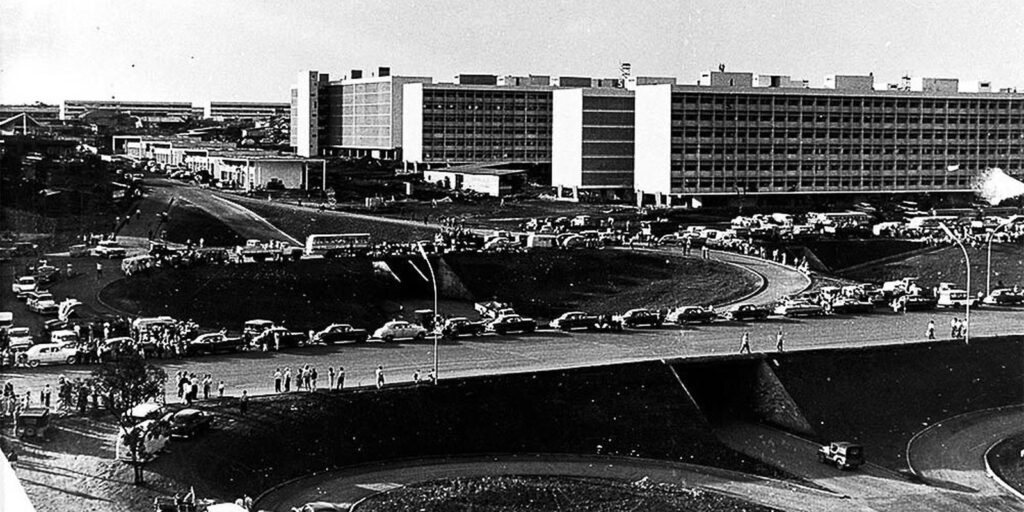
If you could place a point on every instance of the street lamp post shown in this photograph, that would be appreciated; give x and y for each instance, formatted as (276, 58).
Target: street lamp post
(967, 304)
(988, 268)
(433, 280)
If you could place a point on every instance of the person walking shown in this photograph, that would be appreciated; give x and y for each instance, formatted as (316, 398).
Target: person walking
(380, 376)
(277, 380)
(330, 377)
(312, 379)
(931, 329)
(243, 403)
(952, 328)
(745, 343)
(341, 377)
(779, 341)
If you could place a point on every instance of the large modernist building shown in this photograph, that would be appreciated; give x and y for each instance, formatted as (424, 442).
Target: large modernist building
(72, 109)
(593, 141)
(694, 141)
(250, 110)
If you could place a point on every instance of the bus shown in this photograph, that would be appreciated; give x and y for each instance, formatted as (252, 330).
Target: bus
(341, 244)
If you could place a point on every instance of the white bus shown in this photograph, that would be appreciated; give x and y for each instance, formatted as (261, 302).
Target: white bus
(342, 244)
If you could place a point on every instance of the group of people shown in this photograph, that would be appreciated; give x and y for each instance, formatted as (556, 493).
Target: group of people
(306, 378)
(190, 385)
(780, 341)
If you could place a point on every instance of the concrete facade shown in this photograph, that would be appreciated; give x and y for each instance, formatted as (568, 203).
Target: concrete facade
(249, 171)
(71, 109)
(593, 140)
(221, 110)
(492, 182)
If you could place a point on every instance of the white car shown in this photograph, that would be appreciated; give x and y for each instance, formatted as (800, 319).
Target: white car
(41, 302)
(396, 329)
(19, 338)
(23, 285)
(108, 249)
(51, 353)
(63, 337)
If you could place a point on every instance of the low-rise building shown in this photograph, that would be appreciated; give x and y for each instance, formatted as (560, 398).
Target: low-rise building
(492, 180)
(251, 170)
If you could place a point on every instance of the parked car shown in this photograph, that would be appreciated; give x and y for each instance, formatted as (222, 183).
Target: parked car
(850, 305)
(337, 333)
(108, 249)
(574, 320)
(41, 302)
(460, 326)
(399, 329)
(254, 328)
(795, 308)
(954, 298)
(78, 250)
(641, 316)
(509, 323)
(187, 422)
(110, 349)
(19, 338)
(23, 285)
(282, 337)
(743, 312)
(1004, 297)
(843, 455)
(691, 314)
(51, 353)
(34, 423)
(64, 337)
(214, 342)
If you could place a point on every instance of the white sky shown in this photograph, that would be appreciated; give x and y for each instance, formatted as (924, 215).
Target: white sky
(252, 50)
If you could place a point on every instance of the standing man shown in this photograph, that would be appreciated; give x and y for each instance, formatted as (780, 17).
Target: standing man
(745, 343)
(243, 404)
(330, 377)
(779, 340)
(952, 328)
(312, 379)
(220, 390)
(99, 270)
(341, 377)
(380, 376)
(931, 329)
(287, 379)
(277, 380)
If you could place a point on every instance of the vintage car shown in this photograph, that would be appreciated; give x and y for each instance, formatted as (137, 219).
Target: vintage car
(1004, 297)
(279, 336)
(574, 320)
(337, 333)
(51, 353)
(795, 308)
(41, 302)
(214, 342)
(640, 316)
(108, 249)
(843, 455)
(34, 423)
(187, 422)
(743, 312)
(400, 329)
(19, 338)
(508, 323)
(850, 305)
(691, 314)
(23, 285)
(461, 326)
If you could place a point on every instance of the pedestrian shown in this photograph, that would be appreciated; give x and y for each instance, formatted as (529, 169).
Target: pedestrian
(287, 379)
(931, 329)
(47, 393)
(330, 377)
(277, 380)
(99, 270)
(243, 403)
(953, 328)
(745, 343)
(341, 377)
(207, 384)
(220, 390)
(416, 376)
(380, 376)
(779, 340)
(312, 379)
(431, 376)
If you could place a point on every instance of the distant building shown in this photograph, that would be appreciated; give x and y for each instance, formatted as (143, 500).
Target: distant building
(490, 180)
(250, 170)
(43, 114)
(73, 109)
(307, 126)
(224, 110)
(21, 124)
(726, 79)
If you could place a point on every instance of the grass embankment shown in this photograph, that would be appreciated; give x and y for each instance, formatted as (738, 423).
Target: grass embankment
(565, 494)
(947, 265)
(1006, 461)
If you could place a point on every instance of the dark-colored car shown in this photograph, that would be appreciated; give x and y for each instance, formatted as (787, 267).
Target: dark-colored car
(214, 342)
(338, 333)
(512, 323)
(639, 317)
(461, 326)
(574, 320)
(34, 423)
(744, 312)
(281, 337)
(187, 422)
(692, 315)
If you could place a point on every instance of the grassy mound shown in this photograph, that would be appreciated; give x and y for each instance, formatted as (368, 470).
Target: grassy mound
(947, 265)
(548, 283)
(540, 493)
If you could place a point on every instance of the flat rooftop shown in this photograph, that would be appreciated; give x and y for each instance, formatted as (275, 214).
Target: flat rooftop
(480, 169)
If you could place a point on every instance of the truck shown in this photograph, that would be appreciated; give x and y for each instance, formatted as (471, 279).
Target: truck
(493, 309)
(843, 455)
(257, 250)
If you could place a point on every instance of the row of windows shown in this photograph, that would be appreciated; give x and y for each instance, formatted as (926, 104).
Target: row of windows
(854, 167)
(791, 133)
(442, 145)
(847, 120)
(479, 156)
(795, 185)
(689, 100)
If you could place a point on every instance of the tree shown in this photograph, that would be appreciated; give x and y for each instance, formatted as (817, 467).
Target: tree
(126, 382)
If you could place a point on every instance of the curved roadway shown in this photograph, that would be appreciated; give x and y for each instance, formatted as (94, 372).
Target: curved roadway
(952, 452)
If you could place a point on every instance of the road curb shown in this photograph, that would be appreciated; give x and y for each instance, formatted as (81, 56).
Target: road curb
(939, 423)
(995, 476)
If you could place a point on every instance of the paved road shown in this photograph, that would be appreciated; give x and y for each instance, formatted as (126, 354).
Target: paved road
(352, 484)
(952, 451)
(872, 487)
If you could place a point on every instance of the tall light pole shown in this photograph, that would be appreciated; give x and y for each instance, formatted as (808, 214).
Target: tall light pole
(967, 260)
(433, 280)
(991, 234)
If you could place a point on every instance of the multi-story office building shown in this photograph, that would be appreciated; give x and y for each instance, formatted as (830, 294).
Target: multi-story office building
(592, 142)
(694, 141)
(221, 110)
(306, 115)
(462, 123)
(72, 109)
(44, 114)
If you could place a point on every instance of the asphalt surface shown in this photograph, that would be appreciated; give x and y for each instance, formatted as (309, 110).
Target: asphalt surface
(952, 451)
(353, 484)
